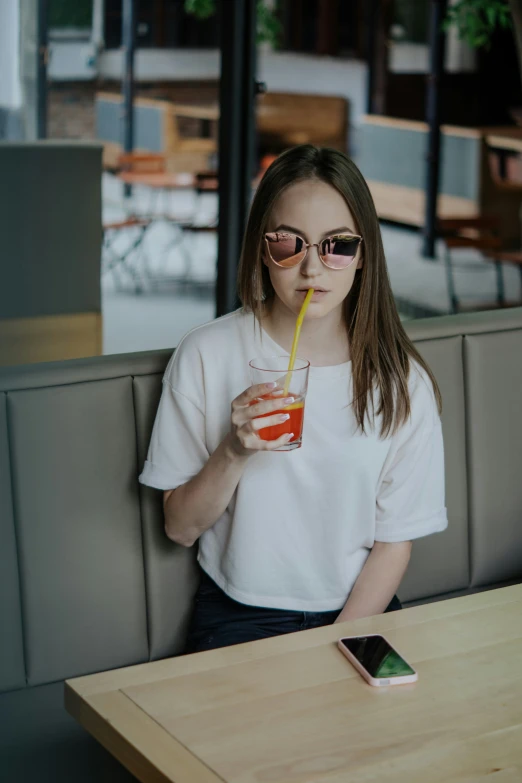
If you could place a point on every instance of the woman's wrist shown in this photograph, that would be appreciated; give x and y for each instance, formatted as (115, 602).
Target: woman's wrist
(233, 450)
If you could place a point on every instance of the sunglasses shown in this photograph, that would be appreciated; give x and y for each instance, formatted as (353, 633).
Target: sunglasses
(337, 251)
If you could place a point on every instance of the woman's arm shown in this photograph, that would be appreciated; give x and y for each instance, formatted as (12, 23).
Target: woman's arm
(195, 506)
(378, 581)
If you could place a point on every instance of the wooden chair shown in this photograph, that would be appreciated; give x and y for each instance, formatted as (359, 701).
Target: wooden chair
(115, 262)
(482, 234)
(287, 119)
(500, 198)
(505, 257)
(143, 162)
(156, 129)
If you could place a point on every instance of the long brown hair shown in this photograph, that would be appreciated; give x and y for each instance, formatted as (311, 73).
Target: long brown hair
(381, 351)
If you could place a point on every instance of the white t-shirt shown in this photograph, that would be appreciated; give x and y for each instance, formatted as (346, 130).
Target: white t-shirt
(301, 524)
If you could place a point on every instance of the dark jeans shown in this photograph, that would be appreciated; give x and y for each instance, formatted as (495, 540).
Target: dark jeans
(218, 621)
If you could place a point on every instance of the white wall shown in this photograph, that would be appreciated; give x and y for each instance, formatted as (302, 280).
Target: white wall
(164, 64)
(288, 72)
(280, 71)
(415, 58)
(10, 87)
(72, 60)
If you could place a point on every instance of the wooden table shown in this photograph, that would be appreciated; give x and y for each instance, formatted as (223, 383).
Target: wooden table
(506, 139)
(292, 708)
(162, 180)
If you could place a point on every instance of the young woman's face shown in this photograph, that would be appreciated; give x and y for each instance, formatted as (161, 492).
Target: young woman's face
(313, 210)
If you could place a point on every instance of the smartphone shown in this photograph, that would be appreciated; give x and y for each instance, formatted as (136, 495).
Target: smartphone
(377, 661)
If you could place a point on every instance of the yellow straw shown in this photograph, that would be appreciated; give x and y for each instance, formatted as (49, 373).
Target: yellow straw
(297, 333)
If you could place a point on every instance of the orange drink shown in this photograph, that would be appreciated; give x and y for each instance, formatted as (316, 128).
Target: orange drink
(275, 368)
(292, 425)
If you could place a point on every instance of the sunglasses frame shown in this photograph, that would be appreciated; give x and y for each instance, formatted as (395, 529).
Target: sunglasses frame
(308, 245)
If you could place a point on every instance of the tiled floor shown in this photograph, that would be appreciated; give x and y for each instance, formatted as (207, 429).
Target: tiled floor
(164, 310)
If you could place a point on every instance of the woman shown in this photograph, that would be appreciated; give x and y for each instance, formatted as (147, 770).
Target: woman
(321, 534)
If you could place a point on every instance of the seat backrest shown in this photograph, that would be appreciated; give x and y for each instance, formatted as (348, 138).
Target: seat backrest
(88, 579)
(149, 121)
(477, 360)
(284, 115)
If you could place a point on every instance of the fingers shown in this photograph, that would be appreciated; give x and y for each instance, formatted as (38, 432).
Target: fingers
(267, 406)
(249, 416)
(282, 441)
(241, 414)
(252, 442)
(255, 391)
(268, 421)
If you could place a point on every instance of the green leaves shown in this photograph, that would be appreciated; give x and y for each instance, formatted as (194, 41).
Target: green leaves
(269, 28)
(477, 20)
(63, 13)
(201, 9)
(268, 25)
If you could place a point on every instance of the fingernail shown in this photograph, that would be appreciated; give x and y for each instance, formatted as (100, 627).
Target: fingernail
(284, 417)
(288, 401)
(270, 385)
(290, 436)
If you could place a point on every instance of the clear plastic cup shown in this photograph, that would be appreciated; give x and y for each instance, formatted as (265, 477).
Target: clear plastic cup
(269, 369)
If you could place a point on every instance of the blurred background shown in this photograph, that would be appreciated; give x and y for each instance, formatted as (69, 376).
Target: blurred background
(133, 134)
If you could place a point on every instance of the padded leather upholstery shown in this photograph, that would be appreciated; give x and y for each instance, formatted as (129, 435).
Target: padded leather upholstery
(12, 663)
(88, 579)
(170, 572)
(440, 564)
(494, 396)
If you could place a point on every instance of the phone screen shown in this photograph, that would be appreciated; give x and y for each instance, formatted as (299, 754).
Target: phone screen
(377, 656)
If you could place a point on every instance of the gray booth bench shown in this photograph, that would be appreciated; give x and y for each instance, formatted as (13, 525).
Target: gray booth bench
(88, 579)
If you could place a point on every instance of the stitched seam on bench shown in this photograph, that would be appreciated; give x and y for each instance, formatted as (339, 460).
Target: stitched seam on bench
(140, 504)
(17, 538)
(467, 452)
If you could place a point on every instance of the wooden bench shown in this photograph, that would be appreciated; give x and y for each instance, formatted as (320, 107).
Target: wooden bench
(287, 119)
(482, 234)
(155, 130)
(283, 120)
(392, 157)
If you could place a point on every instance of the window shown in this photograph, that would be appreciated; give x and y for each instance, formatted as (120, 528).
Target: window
(162, 24)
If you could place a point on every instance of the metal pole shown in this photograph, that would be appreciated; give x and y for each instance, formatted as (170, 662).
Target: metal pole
(372, 11)
(41, 74)
(236, 141)
(98, 31)
(437, 47)
(128, 39)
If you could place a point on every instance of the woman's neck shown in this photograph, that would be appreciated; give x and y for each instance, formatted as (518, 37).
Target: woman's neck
(323, 341)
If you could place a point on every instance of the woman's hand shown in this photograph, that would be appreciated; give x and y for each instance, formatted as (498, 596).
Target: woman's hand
(246, 422)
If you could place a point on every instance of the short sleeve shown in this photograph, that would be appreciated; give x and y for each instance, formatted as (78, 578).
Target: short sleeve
(177, 450)
(410, 498)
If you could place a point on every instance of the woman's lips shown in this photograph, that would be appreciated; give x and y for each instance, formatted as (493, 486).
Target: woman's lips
(317, 294)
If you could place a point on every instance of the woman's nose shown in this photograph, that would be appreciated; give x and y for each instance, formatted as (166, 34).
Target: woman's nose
(312, 263)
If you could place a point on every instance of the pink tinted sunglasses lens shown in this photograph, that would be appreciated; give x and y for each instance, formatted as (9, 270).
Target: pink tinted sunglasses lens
(338, 252)
(285, 249)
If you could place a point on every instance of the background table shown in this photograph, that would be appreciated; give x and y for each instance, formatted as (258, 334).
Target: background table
(293, 709)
